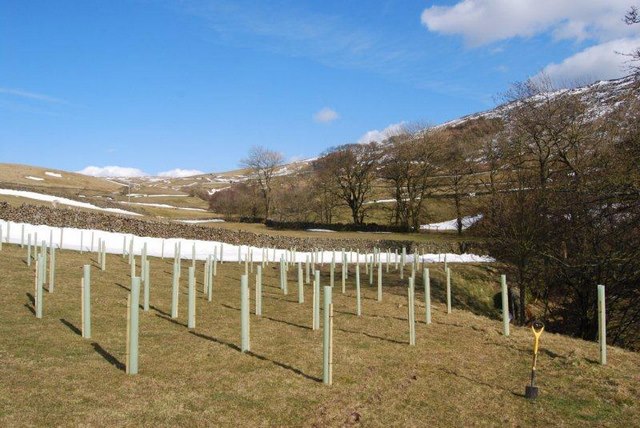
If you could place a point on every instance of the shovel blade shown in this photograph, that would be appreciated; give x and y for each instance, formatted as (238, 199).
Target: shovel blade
(531, 392)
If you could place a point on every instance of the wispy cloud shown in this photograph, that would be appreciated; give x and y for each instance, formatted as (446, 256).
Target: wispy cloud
(31, 95)
(289, 28)
(325, 115)
(112, 171)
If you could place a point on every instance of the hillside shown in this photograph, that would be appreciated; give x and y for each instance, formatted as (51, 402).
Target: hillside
(461, 372)
(183, 198)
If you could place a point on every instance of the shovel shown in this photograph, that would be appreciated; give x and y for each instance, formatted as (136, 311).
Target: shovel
(531, 391)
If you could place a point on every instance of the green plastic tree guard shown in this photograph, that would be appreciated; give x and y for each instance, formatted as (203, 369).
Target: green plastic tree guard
(327, 338)
(86, 301)
(244, 314)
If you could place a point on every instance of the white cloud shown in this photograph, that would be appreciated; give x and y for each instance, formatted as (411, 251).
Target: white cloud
(485, 21)
(112, 171)
(380, 136)
(325, 115)
(602, 61)
(179, 173)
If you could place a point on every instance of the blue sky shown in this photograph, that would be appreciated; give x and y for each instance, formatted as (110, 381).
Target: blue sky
(160, 85)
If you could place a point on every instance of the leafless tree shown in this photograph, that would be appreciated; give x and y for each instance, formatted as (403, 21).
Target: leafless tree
(352, 170)
(264, 164)
(632, 17)
(408, 164)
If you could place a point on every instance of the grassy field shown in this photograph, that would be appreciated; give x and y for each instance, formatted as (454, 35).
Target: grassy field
(416, 237)
(462, 371)
(68, 183)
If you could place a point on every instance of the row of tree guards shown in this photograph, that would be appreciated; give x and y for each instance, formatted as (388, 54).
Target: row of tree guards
(44, 256)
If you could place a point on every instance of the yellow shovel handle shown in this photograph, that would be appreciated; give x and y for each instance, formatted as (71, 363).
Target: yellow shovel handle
(536, 335)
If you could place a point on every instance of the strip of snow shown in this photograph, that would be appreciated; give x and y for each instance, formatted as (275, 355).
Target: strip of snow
(320, 230)
(59, 200)
(30, 177)
(380, 201)
(160, 196)
(213, 191)
(53, 174)
(116, 182)
(147, 204)
(211, 220)
(72, 237)
(452, 224)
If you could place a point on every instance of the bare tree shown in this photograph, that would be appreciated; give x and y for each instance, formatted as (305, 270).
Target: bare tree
(264, 163)
(352, 170)
(408, 164)
(632, 17)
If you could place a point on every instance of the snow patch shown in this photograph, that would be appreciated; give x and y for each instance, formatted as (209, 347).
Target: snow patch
(203, 249)
(34, 178)
(53, 174)
(211, 220)
(63, 201)
(452, 224)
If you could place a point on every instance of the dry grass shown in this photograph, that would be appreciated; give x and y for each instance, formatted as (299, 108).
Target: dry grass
(416, 237)
(70, 182)
(462, 371)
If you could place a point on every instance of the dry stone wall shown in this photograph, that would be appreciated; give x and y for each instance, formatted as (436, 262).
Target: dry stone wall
(66, 217)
